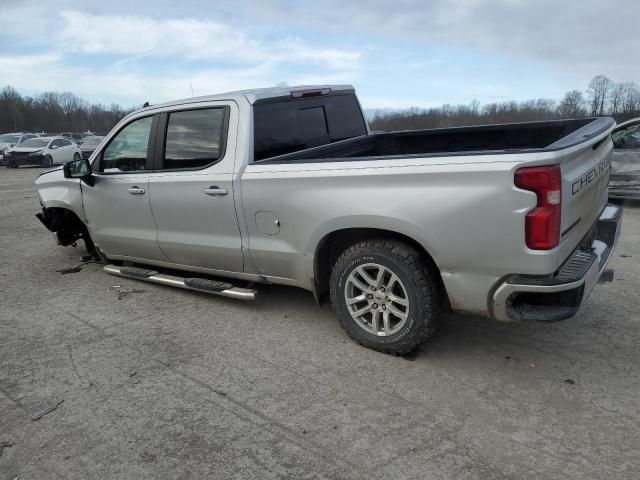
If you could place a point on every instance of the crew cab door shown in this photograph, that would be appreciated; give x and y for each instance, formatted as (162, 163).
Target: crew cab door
(191, 187)
(117, 205)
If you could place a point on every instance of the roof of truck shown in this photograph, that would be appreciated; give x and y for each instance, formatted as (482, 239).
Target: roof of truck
(252, 95)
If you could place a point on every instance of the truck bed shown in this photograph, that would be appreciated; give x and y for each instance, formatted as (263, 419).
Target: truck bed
(518, 137)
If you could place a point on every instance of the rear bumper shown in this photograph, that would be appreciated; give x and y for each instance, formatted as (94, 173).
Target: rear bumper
(560, 296)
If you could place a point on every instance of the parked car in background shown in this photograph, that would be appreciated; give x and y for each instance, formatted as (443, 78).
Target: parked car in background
(43, 151)
(74, 136)
(9, 140)
(625, 165)
(89, 144)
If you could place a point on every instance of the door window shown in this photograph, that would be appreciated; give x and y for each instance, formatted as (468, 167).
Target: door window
(127, 151)
(195, 138)
(56, 143)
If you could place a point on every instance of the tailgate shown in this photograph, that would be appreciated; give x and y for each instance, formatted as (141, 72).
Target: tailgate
(585, 179)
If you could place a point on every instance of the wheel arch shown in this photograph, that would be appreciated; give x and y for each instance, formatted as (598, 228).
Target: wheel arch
(66, 224)
(332, 244)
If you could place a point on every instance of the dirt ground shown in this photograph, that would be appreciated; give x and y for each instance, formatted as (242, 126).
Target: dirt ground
(98, 381)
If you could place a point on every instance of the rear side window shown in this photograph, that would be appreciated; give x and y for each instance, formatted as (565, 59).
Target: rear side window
(290, 125)
(194, 138)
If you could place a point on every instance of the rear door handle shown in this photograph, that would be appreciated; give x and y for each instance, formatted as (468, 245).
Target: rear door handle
(215, 191)
(136, 191)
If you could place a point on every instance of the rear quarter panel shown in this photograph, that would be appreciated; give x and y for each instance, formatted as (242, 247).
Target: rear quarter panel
(464, 211)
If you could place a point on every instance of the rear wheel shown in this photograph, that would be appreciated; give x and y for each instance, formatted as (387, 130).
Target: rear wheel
(385, 295)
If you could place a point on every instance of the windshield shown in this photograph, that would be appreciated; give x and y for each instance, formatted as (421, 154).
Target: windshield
(93, 141)
(9, 138)
(35, 142)
(631, 131)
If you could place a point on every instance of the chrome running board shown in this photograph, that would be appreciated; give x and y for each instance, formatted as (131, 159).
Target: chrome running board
(214, 287)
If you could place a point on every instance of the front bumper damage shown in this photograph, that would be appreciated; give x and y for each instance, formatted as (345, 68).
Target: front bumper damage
(560, 296)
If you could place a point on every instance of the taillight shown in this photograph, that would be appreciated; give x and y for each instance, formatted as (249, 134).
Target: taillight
(542, 224)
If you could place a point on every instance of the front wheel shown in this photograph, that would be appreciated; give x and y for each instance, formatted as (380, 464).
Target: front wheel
(47, 161)
(385, 295)
(76, 157)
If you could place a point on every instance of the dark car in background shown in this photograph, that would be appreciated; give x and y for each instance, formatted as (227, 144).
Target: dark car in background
(89, 144)
(624, 181)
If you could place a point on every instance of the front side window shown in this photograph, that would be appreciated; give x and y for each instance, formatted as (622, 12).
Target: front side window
(127, 151)
(194, 138)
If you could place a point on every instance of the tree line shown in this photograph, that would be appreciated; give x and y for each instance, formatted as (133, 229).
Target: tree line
(59, 112)
(602, 97)
(55, 112)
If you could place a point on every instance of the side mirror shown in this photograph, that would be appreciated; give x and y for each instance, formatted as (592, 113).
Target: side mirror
(53, 147)
(79, 169)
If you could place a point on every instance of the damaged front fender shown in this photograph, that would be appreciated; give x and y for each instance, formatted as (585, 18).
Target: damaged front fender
(66, 226)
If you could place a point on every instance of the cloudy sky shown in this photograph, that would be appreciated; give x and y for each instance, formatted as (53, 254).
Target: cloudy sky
(398, 53)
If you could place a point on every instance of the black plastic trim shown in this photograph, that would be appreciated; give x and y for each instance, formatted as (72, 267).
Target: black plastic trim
(207, 285)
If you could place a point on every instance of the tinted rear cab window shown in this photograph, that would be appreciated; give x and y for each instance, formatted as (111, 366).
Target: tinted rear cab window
(290, 125)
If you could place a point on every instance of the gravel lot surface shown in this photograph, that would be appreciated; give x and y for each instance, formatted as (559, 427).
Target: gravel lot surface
(98, 381)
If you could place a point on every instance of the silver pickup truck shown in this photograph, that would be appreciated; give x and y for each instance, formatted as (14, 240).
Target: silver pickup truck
(288, 186)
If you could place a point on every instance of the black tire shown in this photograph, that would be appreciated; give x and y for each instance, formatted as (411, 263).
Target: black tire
(47, 162)
(76, 157)
(420, 282)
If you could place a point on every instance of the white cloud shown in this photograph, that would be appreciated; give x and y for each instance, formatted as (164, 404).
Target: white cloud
(191, 39)
(183, 53)
(578, 37)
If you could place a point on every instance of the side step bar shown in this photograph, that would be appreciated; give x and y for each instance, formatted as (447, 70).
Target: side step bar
(197, 284)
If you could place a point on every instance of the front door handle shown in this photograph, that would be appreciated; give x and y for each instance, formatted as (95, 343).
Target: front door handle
(136, 191)
(215, 191)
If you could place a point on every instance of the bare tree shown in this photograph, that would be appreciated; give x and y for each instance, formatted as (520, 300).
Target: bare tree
(616, 97)
(572, 105)
(598, 92)
(54, 112)
(630, 101)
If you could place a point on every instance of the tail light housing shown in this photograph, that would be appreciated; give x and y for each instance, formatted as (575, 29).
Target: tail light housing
(542, 224)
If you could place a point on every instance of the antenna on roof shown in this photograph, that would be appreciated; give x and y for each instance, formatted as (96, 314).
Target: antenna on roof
(192, 94)
(146, 104)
